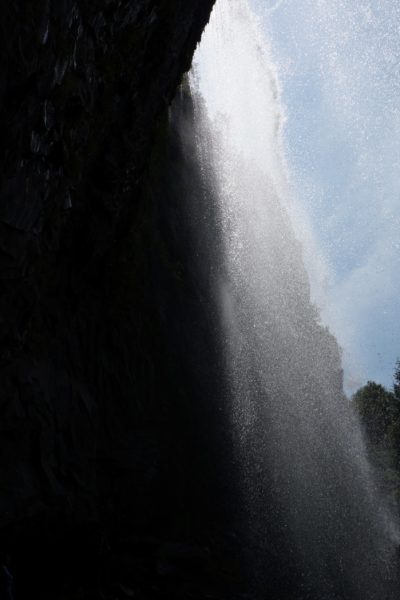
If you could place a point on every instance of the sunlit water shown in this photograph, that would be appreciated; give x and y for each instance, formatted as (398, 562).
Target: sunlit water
(307, 487)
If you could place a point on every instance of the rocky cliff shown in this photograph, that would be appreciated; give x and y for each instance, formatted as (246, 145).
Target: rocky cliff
(95, 425)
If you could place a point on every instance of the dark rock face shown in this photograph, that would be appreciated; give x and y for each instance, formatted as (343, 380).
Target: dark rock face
(86, 377)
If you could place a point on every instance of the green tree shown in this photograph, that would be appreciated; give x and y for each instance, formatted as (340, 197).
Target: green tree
(396, 380)
(394, 429)
(378, 410)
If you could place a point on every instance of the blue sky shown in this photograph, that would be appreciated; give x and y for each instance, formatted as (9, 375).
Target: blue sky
(339, 66)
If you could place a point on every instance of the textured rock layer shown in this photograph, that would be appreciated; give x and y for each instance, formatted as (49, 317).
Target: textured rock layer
(84, 94)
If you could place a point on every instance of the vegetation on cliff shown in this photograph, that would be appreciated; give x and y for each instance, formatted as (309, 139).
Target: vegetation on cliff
(379, 411)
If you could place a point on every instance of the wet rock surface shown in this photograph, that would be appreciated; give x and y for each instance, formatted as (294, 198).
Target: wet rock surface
(152, 568)
(92, 400)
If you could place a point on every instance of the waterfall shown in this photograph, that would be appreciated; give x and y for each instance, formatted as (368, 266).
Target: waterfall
(309, 503)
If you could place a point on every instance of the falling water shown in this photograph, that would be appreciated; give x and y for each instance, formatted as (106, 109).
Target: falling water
(309, 502)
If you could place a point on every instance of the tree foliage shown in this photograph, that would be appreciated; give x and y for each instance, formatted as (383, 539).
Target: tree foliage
(379, 412)
(396, 380)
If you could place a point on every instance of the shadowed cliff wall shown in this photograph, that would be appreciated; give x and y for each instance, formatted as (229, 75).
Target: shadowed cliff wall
(84, 389)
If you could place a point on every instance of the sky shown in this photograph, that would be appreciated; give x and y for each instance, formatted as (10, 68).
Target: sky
(339, 66)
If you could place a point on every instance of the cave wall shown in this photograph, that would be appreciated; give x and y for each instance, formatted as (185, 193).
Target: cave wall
(86, 379)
